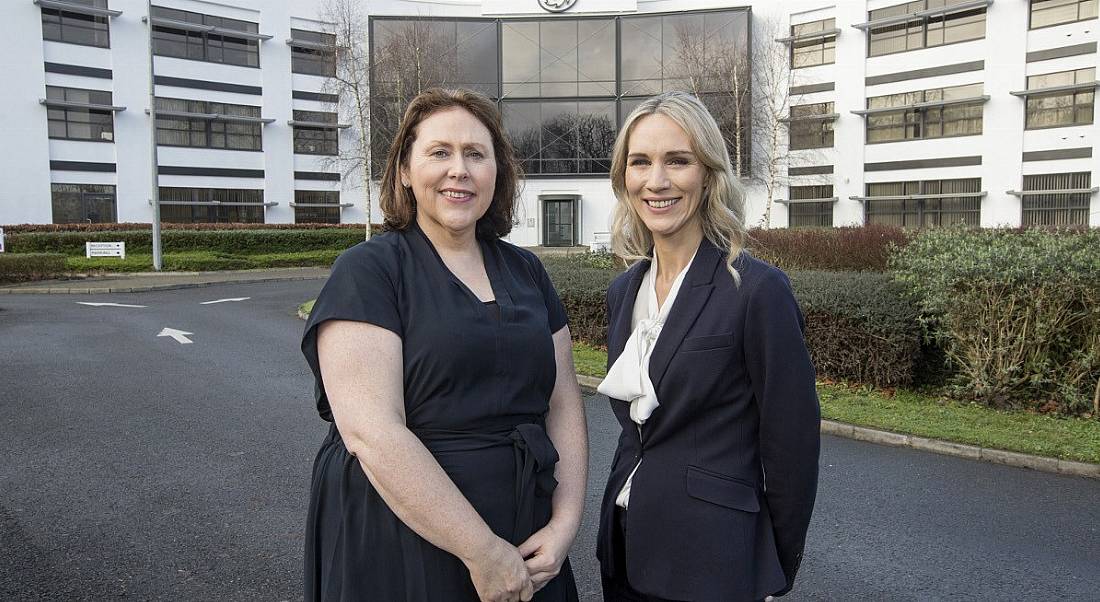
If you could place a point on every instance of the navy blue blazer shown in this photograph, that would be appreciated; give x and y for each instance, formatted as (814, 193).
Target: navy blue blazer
(721, 502)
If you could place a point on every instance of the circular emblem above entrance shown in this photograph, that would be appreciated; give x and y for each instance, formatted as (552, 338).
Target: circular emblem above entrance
(557, 6)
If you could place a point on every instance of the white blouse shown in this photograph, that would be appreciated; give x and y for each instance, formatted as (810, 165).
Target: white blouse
(628, 378)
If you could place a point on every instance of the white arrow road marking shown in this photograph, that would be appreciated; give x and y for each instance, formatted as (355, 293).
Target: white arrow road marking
(179, 335)
(107, 304)
(225, 300)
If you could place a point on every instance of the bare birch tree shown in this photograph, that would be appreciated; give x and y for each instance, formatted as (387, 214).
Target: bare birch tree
(748, 90)
(351, 85)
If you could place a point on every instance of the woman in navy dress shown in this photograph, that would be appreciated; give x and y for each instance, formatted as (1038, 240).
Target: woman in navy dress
(714, 478)
(456, 464)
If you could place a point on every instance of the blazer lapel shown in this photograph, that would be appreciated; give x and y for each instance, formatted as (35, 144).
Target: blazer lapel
(693, 296)
(621, 327)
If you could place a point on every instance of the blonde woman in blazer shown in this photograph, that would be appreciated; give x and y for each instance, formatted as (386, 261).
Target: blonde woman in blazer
(715, 475)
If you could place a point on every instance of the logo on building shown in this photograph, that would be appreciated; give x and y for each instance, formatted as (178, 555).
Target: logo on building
(557, 6)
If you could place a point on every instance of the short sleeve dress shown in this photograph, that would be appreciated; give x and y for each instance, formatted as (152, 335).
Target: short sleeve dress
(477, 383)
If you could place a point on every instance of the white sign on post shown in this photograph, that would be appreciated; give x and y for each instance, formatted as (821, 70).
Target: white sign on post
(105, 249)
(1, 240)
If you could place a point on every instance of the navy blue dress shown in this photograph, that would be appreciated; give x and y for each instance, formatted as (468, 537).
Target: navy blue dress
(477, 385)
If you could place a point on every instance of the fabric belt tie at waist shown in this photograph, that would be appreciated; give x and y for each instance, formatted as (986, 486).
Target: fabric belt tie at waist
(535, 459)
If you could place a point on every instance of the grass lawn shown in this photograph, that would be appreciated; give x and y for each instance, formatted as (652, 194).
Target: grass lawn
(928, 416)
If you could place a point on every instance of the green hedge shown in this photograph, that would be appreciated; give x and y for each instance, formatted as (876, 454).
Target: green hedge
(860, 326)
(30, 266)
(223, 241)
(1017, 312)
(581, 281)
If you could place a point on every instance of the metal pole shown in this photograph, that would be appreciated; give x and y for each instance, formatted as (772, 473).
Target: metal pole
(155, 193)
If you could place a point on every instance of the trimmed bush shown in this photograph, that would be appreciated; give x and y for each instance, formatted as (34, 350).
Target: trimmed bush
(23, 267)
(860, 326)
(223, 241)
(1018, 312)
(581, 281)
(859, 249)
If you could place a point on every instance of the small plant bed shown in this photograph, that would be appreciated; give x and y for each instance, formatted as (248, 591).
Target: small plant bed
(202, 261)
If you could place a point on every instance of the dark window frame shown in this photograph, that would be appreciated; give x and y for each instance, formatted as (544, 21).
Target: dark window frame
(313, 61)
(1079, 19)
(825, 44)
(210, 129)
(314, 140)
(1075, 108)
(922, 208)
(1076, 206)
(317, 215)
(208, 45)
(87, 194)
(100, 121)
(918, 120)
(922, 25)
(810, 215)
(810, 133)
(67, 20)
(174, 213)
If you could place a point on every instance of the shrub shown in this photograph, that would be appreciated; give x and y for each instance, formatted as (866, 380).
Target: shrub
(1018, 312)
(581, 281)
(224, 241)
(860, 326)
(21, 267)
(857, 249)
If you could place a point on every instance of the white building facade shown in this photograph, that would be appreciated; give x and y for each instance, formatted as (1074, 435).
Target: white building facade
(921, 113)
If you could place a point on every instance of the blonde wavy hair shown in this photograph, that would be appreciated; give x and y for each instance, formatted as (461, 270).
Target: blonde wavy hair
(722, 210)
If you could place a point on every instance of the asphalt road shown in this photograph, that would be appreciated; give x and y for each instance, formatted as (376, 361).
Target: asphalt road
(138, 467)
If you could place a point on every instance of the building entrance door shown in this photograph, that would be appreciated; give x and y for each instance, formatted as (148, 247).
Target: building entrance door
(559, 219)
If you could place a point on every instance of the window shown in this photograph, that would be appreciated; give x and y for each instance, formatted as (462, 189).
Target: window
(317, 215)
(203, 131)
(80, 124)
(1057, 209)
(312, 60)
(219, 46)
(316, 140)
(811, 126)
(811, 215)
(945, 120)
(563, 84)
(410, 55)
(566, 57)
(564, 137)
(1063, 108)
(814, 51)
(925, 203)
(76, 28)
(935, 29)
(83, 203)
(1045, 13)
(252, 212)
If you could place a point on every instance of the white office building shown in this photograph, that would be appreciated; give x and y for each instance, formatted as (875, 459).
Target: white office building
(927, 112)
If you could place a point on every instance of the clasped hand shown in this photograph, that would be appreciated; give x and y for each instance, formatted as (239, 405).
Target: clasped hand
(508, 574)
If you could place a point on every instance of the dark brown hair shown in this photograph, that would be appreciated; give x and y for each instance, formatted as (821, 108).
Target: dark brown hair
(398, 203)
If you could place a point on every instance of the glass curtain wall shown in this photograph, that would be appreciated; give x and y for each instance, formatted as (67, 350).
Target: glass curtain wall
(564, 84)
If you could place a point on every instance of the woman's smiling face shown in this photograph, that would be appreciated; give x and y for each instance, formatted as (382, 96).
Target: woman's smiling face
(664, 177)
(452, 172)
